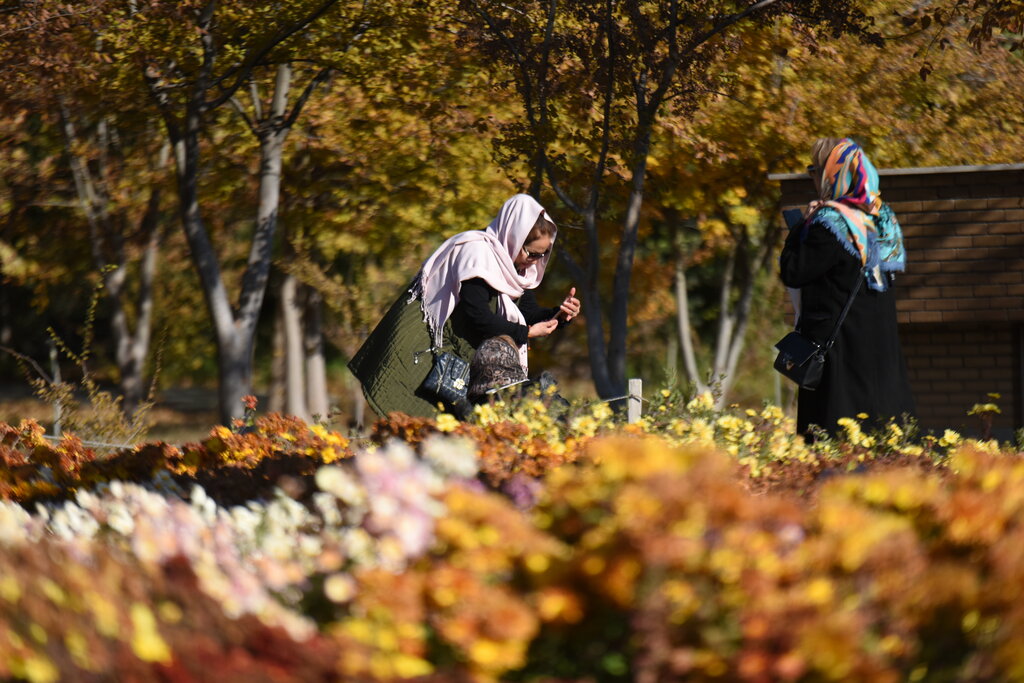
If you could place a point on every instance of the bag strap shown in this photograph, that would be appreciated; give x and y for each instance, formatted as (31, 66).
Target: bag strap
(846, 309)
(433, 350)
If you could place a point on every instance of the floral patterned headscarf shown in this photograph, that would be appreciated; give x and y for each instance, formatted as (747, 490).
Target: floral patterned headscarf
(853, 209)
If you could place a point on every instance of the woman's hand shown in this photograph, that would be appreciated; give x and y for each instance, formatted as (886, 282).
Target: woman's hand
(543, 329)
(570, 307)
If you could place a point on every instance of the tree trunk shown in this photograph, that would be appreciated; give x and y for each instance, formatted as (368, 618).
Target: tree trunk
(619, 319)
(741, 316)
(733, 320)
(725, 323)
(317, 399)
(6, 328)
(234, 328)
(235, 334)
(234, 358)
(590, 292)
(358, 406)
(684, 328)
(278, 371)
(234, 340)
(108, 243)
(295, 381)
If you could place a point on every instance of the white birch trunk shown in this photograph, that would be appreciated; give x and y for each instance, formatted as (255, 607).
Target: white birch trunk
(317, 399)
(295, 380)
(275, 393)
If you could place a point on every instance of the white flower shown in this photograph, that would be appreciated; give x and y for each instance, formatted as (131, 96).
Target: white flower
(72, 522)
(14, 521)
(340, 483)
(310, 546)
(384, 509)
(358, 545)
(203, 504)
(327, 505)
(339, 588)
(120, 520)
(451, 456)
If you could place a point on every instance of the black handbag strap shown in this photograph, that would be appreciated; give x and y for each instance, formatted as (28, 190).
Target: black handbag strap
(846, 309)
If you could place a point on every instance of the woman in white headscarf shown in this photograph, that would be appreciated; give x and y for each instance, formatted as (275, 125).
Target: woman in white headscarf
(477, 285)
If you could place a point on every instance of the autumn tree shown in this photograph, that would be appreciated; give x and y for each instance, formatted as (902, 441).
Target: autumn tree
(197, 57)
(594, 80)
(981, 23)
(714, 202)
(106, 154)
(406, 167)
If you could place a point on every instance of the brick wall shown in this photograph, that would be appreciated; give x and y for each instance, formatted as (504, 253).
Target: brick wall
(953, 366)
(960, 302)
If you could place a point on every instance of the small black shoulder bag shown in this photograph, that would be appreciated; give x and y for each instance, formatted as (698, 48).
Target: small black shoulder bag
(802, 359)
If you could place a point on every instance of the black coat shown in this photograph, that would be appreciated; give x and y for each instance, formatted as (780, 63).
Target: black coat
(864, 371)
(475, 317)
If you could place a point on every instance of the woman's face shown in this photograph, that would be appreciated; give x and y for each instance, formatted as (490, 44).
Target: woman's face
(532, 252)
(815, 174)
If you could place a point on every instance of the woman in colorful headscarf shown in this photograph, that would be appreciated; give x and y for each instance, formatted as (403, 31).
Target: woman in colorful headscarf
(850, 238)
(477, 285)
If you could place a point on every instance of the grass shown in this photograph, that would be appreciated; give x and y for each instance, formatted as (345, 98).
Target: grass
(180, 415)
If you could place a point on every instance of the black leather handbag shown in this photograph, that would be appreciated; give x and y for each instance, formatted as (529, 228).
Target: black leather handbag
(448, 379)
(802, 359)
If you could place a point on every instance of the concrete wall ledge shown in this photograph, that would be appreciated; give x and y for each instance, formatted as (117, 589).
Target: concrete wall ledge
(925, 170)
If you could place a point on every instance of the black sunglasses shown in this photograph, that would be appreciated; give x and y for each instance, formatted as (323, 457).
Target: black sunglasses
(534, 255)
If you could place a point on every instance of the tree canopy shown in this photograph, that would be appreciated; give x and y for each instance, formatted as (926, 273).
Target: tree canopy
(340, 141)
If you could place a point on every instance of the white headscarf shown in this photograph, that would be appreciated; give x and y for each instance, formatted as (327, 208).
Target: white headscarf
(489, 254)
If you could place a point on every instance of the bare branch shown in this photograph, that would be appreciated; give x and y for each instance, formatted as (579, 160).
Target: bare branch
(728, 21)
(163, 101)
(254, 94)
(34, 26)
(674, 61)
(255, 56)
(307, 92)
(22, 357)
(559, 190)
(239, 108)
(609, 93)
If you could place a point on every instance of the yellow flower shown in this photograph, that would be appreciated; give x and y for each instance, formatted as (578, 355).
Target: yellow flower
(819, 591)
(984, 408)
(950, 438)
(602, 412)
(408, 666)
(584, 426)
(446, 422)
(147, 643)
(701, 402)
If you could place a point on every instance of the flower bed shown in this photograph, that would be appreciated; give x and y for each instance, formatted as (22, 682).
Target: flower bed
(524, 545)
